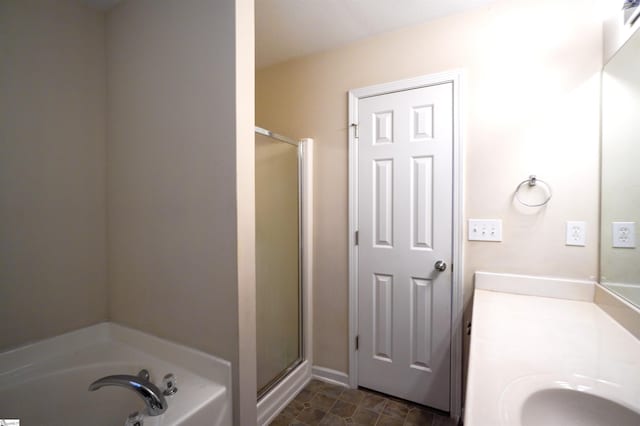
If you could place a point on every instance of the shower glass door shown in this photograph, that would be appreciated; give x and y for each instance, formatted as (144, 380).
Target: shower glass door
(278, 284)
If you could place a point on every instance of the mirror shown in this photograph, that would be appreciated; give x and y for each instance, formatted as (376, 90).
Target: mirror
(620, 199)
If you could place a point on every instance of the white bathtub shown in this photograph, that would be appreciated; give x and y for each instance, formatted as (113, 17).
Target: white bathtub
(46, 383)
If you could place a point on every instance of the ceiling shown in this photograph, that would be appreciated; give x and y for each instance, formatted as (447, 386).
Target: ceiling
(289, 28)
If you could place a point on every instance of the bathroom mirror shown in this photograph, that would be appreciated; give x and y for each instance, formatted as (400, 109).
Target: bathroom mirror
(620, 199)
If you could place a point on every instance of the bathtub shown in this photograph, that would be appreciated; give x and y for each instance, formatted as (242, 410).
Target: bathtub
(46, 383)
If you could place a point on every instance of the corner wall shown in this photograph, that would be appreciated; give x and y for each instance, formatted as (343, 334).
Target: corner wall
(245, 407)
(616, 31)
(531, 106)
(53, 272)
(171, 171)
(179, 133)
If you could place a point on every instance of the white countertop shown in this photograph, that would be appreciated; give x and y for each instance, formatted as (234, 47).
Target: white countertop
(519, 337)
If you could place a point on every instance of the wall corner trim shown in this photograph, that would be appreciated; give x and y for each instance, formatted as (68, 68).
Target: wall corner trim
(328, 375)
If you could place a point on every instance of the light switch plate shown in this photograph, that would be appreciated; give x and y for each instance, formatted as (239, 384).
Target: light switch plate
(576, 233)
(624, 234)
(485, 230)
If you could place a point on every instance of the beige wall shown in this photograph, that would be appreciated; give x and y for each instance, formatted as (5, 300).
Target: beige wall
(52, 169)
(277, 288)
(531, 107)
(177, 259)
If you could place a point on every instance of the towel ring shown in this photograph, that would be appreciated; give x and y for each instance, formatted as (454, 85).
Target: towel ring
(533, 181)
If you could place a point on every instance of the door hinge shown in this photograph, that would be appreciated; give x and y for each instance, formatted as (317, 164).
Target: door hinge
(357, 237)
(355, 130)
(357, 342)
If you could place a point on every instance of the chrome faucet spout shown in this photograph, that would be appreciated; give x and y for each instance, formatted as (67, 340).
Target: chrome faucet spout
(150, 394)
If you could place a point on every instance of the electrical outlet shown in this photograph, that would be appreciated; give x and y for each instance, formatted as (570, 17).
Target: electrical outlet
(624, 234)
(576, 234)
(485, 230)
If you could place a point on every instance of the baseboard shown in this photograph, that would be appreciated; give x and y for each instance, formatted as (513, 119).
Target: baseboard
(274, 402)
(330, 376)
(277, 399)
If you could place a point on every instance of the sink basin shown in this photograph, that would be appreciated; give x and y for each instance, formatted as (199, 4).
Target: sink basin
(568, 407)
(550, 400)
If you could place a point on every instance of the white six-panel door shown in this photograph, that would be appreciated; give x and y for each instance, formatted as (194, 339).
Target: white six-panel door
(405, 201)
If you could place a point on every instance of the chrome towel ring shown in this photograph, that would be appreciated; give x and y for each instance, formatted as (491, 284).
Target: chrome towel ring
(533, 181)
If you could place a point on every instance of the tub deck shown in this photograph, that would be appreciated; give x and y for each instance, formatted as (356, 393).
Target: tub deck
(46, 383)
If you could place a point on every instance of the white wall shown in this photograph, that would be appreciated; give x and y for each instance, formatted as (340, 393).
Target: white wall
(531, 107)
(52, 169)
(617, 29)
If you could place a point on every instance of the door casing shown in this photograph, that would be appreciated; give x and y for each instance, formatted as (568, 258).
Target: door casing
(456, 78)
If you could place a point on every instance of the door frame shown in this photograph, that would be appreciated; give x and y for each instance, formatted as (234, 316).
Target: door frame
(456, 78)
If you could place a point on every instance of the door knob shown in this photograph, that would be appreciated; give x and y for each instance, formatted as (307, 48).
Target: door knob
(440, 265)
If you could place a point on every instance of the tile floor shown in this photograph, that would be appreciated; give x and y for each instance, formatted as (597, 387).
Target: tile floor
(321, 403)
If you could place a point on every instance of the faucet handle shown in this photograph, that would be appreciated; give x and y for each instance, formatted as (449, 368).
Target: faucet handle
(144, 374)
(134, 419)
(169, 384)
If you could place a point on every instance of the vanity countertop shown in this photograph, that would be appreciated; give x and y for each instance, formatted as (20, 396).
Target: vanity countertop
(516, 338)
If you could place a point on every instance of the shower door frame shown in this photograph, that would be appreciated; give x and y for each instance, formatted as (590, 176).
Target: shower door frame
(300, 175)
(287, 384)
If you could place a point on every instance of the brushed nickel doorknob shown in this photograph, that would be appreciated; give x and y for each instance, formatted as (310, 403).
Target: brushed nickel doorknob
(440, 265)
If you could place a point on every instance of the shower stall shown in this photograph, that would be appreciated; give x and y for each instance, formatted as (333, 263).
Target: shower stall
(280, 168)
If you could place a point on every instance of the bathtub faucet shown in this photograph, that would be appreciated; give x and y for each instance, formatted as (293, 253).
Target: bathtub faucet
(141, 385)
